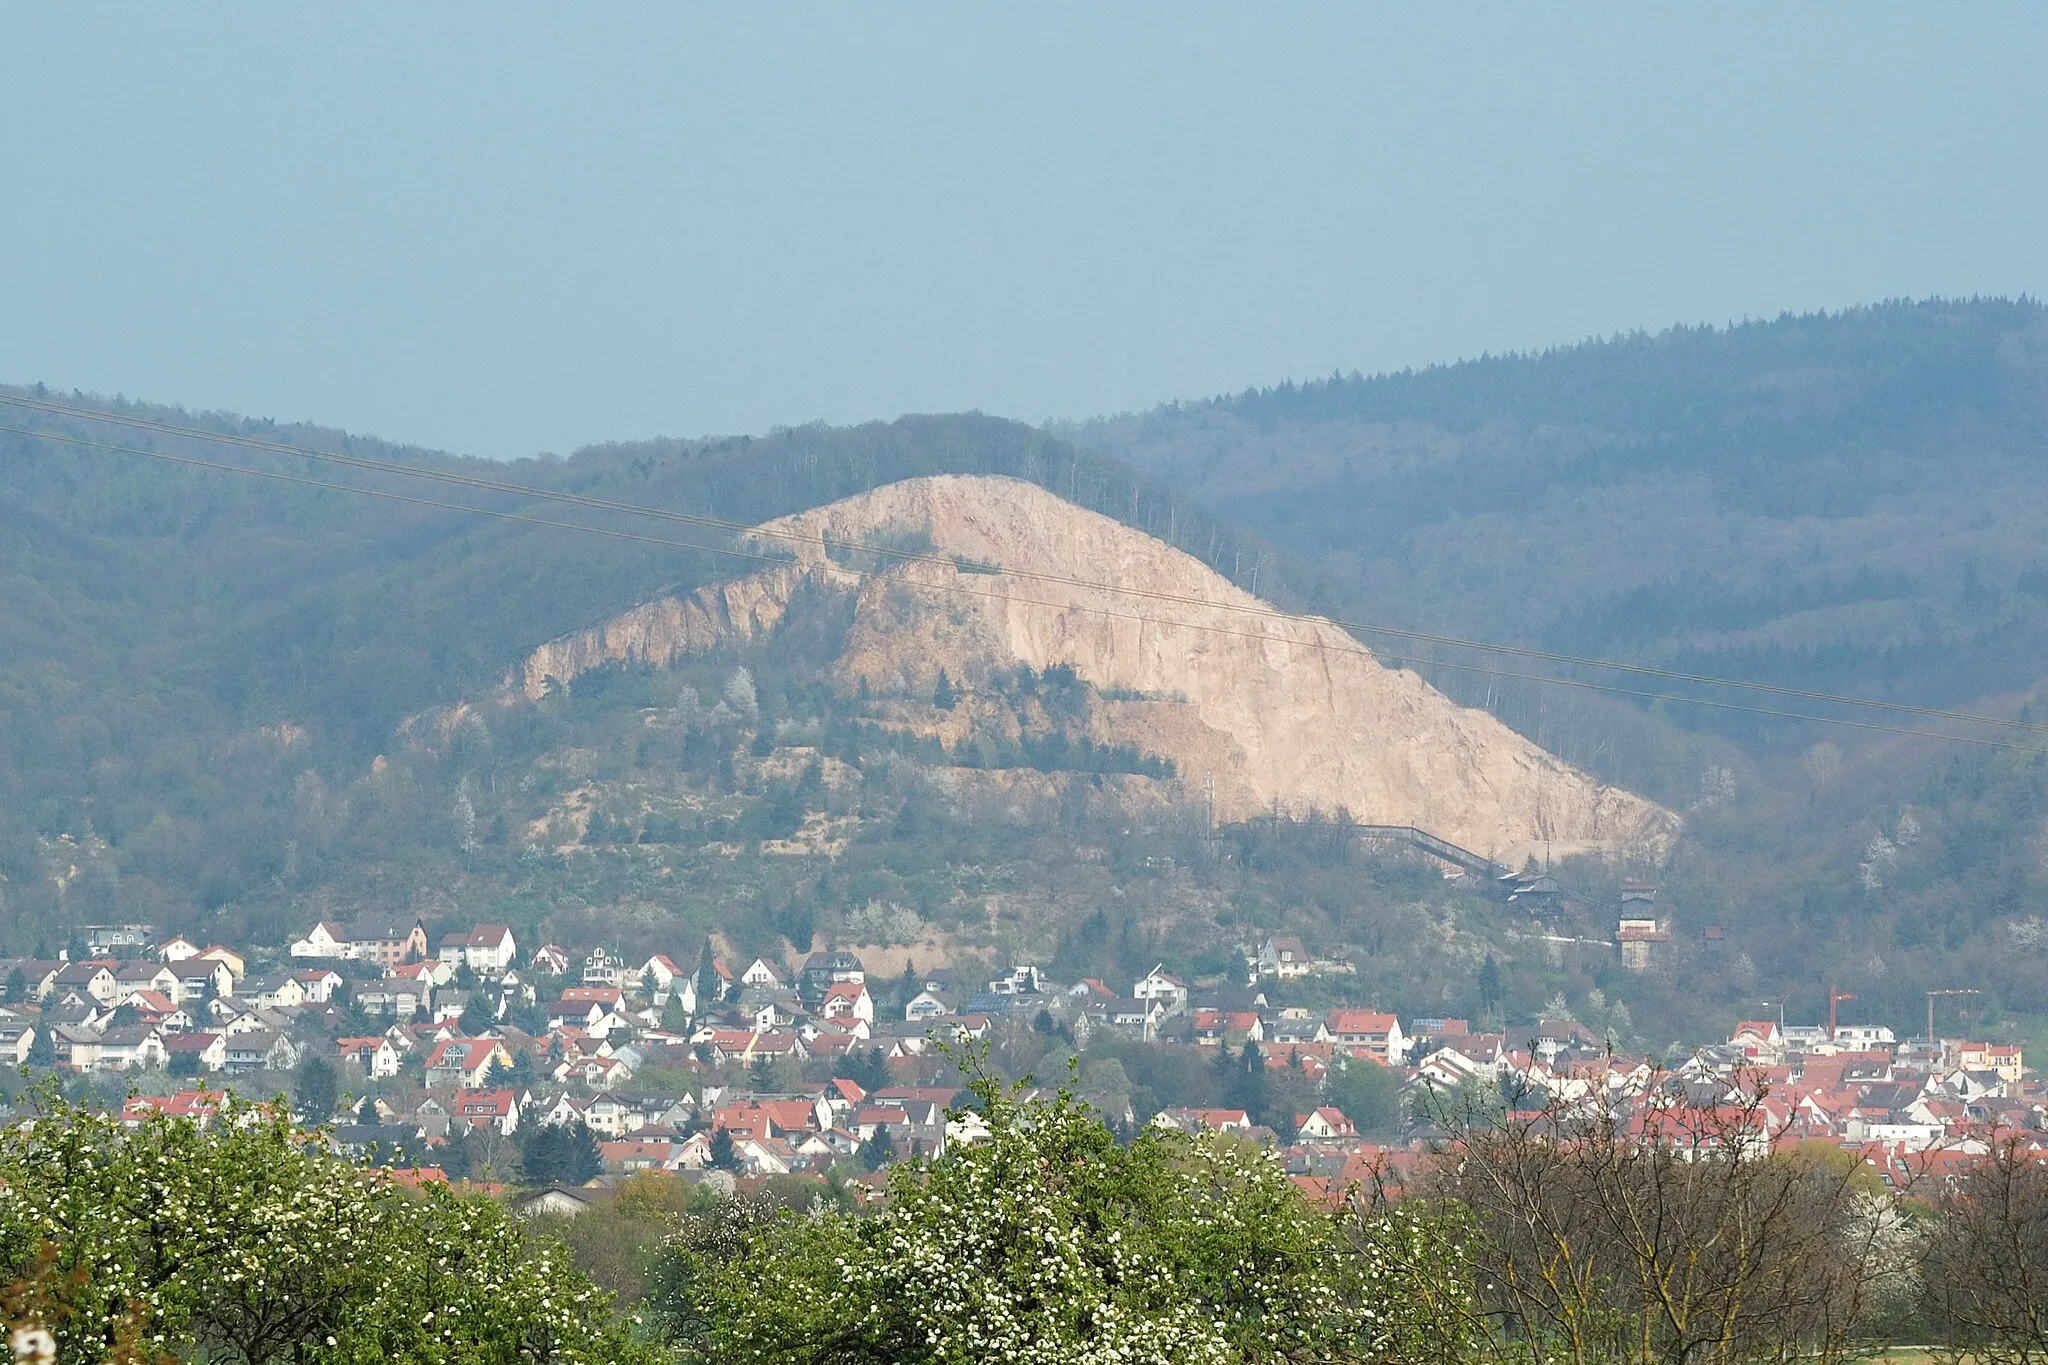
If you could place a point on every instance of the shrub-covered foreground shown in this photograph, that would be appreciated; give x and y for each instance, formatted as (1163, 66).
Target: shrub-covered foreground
(1566, 1236)
(1051, 1243)
(248, 1243)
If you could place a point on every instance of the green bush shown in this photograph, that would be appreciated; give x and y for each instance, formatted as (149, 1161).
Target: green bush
(248, 1242)
(1049, 1242)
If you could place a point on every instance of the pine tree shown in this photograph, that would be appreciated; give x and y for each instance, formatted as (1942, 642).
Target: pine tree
(710, 986)
(723, 1158)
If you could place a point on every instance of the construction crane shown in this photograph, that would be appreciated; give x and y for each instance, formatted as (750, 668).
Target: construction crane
(1835, 998)
(1930, 1008)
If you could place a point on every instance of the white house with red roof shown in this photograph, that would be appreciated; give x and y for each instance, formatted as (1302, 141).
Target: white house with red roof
(320, 983)
(1193, 1120)
(664, 979)
(376, 1056)
(466, 1062)
(495, 1110)
(1324, 1125)
(1372, 1032)
(176, 949)
(1760, 1040)
(847, 1000)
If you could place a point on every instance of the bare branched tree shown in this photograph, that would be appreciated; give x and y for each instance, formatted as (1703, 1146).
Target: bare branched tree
(1985, 1266)
(1664, 1229)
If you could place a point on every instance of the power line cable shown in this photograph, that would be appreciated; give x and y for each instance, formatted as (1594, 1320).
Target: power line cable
(1254, 608)
(1295, 617)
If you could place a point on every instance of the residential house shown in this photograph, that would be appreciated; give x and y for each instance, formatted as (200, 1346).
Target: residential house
(1759, 1040)
(831, 968)
(847, 1000)
(376, 1056)
(1324, 1125)
(602, 968)
(466, 1062)
(139, 1047)
(1161, 985)
(1641, 941)
(763, 975)
(382, 941)
(93, 976)
(327, 938)
(17, 1037)
(260, 1050)
(154, 1007)
(2007, 1060)
(664, 981)
(1232, 1028)
(176, 949)
(551, 959)
(925, 1005)
(495, 1110)
(1284, 958)
(449, 947)
(275, 992)
(627, 1156)
(132, 977)
(200, 1106)
(321, 984)
(1372, 1032)
(1186, 1120)
(204, 979)
(220, 952)
(196, 1051)
(1021, 980)
(490, 950)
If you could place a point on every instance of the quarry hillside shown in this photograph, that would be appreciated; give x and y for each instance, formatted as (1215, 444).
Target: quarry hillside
(229, 704)
(1284, 715)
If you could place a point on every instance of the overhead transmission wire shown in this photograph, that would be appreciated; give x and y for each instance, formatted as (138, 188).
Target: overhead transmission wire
(1324, 646)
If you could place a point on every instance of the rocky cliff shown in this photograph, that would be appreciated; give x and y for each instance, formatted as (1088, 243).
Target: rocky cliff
(1282, 712)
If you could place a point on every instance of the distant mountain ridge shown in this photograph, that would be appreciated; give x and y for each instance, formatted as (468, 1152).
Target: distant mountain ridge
(1871, 486)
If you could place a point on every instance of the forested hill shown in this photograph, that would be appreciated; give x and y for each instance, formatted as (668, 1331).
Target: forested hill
(201, 671)
(1853, 501)
(163, 626)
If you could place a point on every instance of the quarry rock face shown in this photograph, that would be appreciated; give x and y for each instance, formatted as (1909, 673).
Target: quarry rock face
(1284, 714)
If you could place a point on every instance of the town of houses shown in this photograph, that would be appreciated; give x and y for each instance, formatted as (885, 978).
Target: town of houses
(682, 1063)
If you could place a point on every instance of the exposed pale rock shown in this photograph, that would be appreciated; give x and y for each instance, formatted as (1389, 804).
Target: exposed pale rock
(1286, 713)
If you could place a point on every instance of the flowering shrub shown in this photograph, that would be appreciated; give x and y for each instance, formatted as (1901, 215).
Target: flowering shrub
(1050, 1243)
(249, 1243)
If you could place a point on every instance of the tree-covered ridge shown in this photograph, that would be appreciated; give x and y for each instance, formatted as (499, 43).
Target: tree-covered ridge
(1847, 500)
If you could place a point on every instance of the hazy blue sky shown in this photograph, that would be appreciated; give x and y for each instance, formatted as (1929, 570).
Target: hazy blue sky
(503, 229)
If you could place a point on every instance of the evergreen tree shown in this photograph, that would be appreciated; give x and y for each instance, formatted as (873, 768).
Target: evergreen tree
(558, 1154)
(869, 1070)
(476, 1015)
(1489, 984)
(316, 1089)
(944, 695)
(723, 1158)
(710, 985)
(878, 1151)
